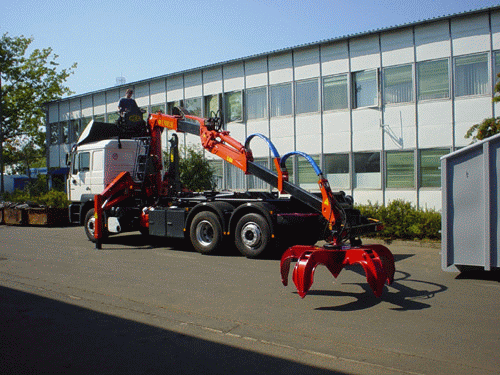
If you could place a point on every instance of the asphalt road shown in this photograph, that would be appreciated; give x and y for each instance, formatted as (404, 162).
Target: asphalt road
(138, 307)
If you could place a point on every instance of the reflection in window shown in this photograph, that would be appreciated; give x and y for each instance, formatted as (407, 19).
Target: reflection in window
(158, 107)
(193, 105)
(100, 118)
(306, 174)
(234, 106)
(335, 92)
(367, 170)
(337, 170)
(74, 130)
(433, 82)
(54, 133)
(216, 166)
(306, 96)
(400, 170)
(365, 88)
(398, 84)
(281, 100)
(83, 162)
(172, 105)
(471, 75)
(212, 105)
(256, 103)
(430, 167)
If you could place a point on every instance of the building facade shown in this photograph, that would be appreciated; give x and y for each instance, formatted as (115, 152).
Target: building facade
(375, 110)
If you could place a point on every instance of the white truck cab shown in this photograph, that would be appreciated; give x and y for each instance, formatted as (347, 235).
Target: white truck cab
(94, 164)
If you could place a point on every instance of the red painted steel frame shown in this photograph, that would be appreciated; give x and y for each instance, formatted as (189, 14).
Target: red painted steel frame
(376, 260)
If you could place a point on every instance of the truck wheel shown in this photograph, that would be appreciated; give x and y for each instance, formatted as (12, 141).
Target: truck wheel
(89, 225)
(253, 235)
(206, 233)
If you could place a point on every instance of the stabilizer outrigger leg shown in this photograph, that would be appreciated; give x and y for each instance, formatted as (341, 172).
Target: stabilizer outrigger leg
(376, 260)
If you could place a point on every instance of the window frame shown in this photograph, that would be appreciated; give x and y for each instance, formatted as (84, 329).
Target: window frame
(271, 97)
(389, 174)
(418, 75)
(249, 101)
(455, 78)
(384, 85)
(323, 96)
(438, 167)
(354, 89)
(298, 107)
(356, 171)
(228, 106)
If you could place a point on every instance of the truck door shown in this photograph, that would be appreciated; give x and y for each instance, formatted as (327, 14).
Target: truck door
(78, 183)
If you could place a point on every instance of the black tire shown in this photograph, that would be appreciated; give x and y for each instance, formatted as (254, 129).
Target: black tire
(89, 226)
(253, 235)
(206, 233)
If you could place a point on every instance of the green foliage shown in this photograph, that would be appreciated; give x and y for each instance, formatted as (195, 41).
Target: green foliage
(489, 126)
(485, 129)
(403, 221)
(196, 174)
(28, 82)
(54, 199)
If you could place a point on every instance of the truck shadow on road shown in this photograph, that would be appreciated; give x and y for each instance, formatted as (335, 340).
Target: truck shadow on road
(43, 335)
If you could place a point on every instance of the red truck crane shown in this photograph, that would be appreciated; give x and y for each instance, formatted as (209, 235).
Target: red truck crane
(256, 222)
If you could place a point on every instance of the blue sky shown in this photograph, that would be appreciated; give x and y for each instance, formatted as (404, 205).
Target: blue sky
(144, 39)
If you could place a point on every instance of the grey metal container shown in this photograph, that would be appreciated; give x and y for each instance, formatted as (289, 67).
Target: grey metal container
(471, 196)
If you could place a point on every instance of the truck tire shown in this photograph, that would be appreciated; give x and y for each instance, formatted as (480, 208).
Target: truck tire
(89, 225)
(253, 235)
(206, 232)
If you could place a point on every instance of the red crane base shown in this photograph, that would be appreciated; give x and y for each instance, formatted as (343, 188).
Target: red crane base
(377, 261)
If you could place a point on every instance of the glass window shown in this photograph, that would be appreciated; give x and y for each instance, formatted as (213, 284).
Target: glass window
(306, 96)
(306, 174)
(471, 75)
(337, 170)
(65, 131)
(256, 103)
(365, 88)
(335, 92)
(172, 105)
(100, 118)
(433, 82)
(430, 167)
(54, 133)
(83, 124)
(216, 166)
(158, 107)
(212, 105)
(84, 161)
(281, 100)
(400, 170)
(235, 178)
(234, 106)
(193, 105)
(256, 183)
(112, 117)
(398, 84)
(367, 170)
(74, 130)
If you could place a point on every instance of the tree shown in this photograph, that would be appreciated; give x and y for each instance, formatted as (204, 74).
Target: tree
(489, 126)
(29, 81)
(195, 171)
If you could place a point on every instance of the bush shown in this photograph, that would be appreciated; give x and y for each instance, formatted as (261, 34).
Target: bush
(53, 199)
(403, 221)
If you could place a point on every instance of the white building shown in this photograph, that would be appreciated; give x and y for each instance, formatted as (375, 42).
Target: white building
(376, 110)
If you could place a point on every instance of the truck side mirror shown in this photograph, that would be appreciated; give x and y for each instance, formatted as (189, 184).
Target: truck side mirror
(68, 159)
